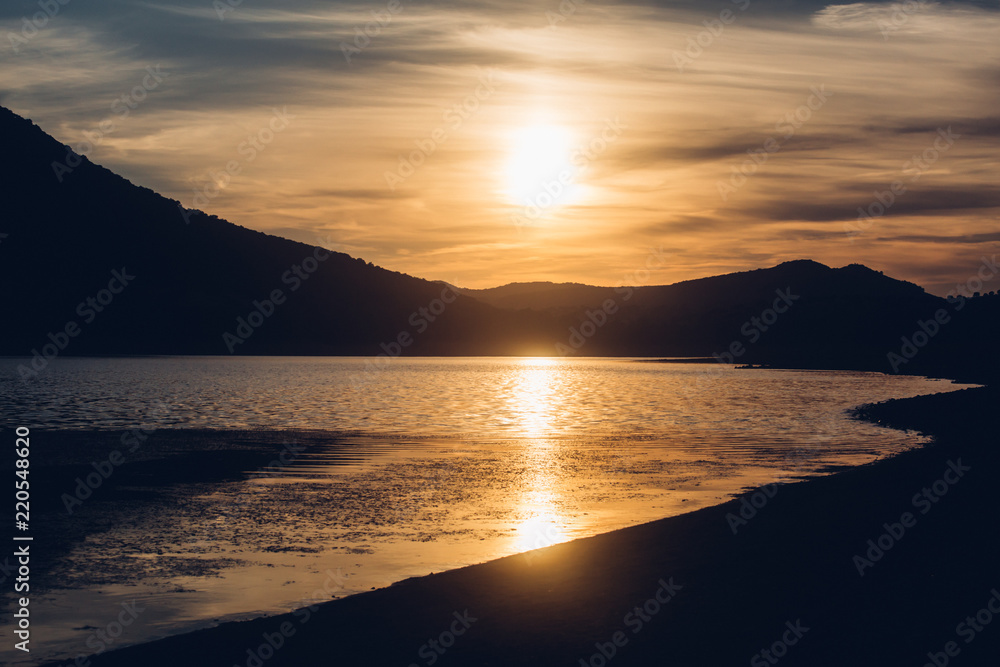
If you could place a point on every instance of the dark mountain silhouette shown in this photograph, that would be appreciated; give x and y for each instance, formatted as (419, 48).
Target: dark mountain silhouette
(803, 310)
(546, 296)
(849, 318)
(193, 278)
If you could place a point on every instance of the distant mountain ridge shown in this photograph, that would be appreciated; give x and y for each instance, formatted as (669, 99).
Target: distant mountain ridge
(549, 295)
(97, 265)
(541, 295)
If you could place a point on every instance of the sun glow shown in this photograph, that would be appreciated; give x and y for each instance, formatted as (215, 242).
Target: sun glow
(540, 531)
(536, 388)
(540, 170)
(536, 394)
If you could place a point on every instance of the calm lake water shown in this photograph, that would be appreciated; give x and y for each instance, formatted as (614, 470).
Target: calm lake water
(405, 468)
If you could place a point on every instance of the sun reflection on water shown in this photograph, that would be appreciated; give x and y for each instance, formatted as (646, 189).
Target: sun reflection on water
(538, 532)
(536, 396)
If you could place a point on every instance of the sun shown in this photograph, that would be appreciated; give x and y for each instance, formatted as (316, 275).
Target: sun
(540, 172)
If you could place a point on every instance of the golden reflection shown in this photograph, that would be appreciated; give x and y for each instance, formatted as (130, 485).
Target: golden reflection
(536, 396)
(539, 532)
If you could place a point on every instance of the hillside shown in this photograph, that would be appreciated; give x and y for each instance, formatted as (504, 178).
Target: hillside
(94, 264)
(195, 275)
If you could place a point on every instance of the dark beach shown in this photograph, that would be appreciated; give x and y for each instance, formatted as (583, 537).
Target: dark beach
(786, 582)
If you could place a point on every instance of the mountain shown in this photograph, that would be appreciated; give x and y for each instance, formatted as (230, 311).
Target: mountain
(799, 314)
(795, 304)
(192, 278)
(734, 289)
(94, 264)
(542, 296)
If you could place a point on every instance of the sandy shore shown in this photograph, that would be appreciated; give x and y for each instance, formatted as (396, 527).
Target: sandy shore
(798, 579)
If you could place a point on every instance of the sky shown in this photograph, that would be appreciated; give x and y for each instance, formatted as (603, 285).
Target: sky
(494, 142)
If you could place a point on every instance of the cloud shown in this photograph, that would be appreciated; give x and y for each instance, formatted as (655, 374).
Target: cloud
(928, 201)
(417, 76)
(909, 17)
(988, 126)
(963, 239)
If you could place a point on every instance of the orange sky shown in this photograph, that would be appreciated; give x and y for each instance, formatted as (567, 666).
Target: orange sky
(495, 143)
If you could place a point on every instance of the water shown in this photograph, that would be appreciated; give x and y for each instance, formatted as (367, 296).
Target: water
(400, 468)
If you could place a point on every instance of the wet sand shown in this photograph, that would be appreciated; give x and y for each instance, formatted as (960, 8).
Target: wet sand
(787, 582)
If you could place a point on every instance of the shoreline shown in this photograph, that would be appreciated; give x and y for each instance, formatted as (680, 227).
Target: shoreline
(730, 595)
(177, 458)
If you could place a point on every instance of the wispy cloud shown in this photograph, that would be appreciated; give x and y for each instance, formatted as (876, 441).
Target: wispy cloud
(356, 118)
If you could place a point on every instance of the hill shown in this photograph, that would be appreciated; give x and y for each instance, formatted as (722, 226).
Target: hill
(97, 265)
(132, 273)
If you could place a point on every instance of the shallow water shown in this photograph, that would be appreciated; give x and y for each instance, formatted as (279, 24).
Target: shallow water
(408, 468)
